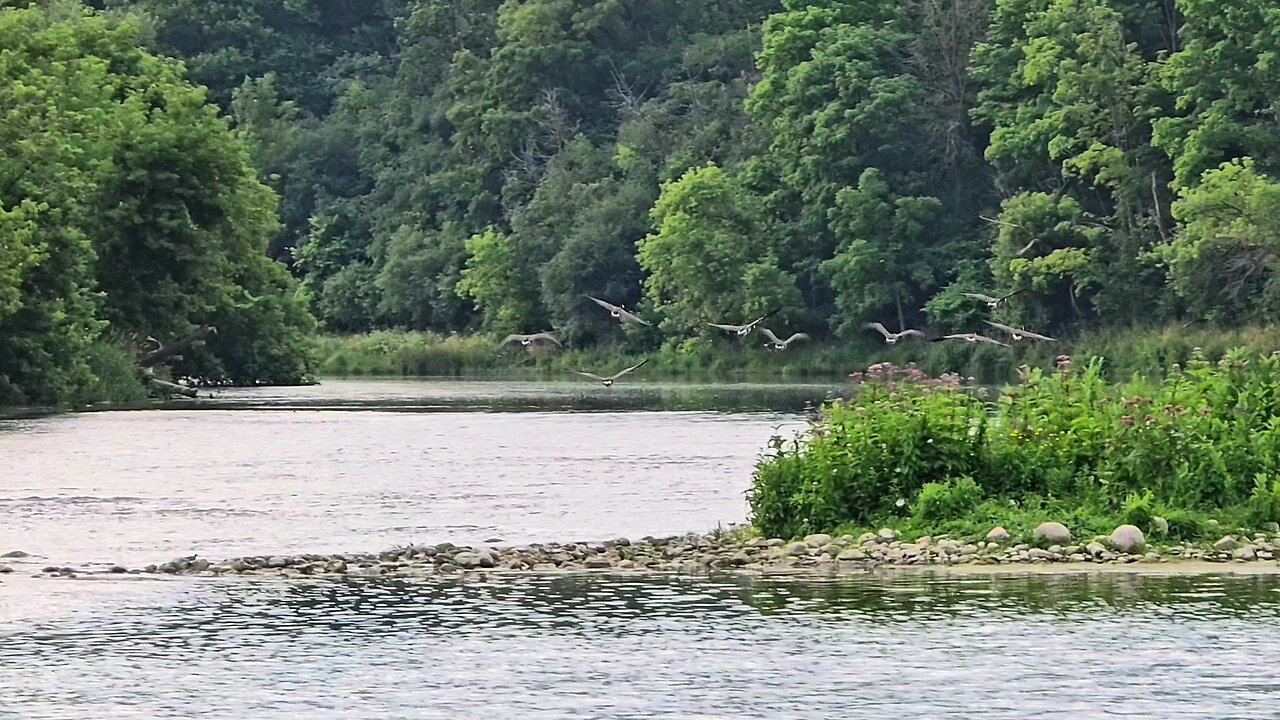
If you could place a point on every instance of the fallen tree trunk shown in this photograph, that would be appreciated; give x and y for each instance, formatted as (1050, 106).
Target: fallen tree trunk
(148, 361)
(164, 352)
(164, 387)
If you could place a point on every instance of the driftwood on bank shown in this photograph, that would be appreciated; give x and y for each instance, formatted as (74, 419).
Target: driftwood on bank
(173, 351)
(165, 352)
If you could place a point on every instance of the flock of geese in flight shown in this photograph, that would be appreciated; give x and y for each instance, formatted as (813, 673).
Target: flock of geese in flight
(622, 315)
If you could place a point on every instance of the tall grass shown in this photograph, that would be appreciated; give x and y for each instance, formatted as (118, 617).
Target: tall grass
(429, 354)
(1144, 351)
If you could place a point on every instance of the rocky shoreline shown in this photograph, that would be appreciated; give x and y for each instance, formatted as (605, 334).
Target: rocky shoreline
(721, 552)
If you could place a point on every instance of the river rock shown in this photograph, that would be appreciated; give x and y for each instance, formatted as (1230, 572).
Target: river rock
(15, 555)
(866, 537)
(597, 562)
(774, 542)
(5, 569)
(1128, 539)
(1038, 554)
(1159, 525)
(1271, 527)
(469, 560)
(887, 535)
(852, 554)
(1096, 549)
(1244, 553)
(1052, 532)
(797, 549)
(998, 535)
(1226, 544)
(817, 540)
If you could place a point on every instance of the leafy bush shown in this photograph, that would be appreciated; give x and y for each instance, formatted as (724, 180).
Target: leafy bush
(1264, 503)
(1202, 441)
(942, 501)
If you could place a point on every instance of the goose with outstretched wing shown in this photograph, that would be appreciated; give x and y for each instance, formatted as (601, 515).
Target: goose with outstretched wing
(618, 312)
(611, 379)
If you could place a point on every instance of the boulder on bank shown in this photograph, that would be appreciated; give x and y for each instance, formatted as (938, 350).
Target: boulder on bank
(1052, 532)
(1128, 539)
(798, 549)
(998, 535)
(818, 540)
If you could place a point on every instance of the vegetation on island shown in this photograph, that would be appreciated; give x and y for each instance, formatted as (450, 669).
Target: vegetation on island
(1185, 457)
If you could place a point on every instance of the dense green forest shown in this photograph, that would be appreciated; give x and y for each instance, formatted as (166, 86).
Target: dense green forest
(468, 165)
(473, 164)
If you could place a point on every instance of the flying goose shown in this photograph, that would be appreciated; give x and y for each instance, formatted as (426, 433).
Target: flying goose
(744, 330)
(534, 339)
(992, 302)
(891, 338)
(608, 381)
(618, 312)
(973, 338)
(778, 344)
(1018, 334)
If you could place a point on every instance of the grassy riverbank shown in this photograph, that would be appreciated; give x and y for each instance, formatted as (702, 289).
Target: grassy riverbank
(1147, 352)
(1189, 457)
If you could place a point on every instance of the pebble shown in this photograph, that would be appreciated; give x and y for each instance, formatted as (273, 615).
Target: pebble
(1226, 544)
(798, 549)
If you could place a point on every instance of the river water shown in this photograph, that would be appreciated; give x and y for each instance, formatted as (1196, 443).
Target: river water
(354, 466)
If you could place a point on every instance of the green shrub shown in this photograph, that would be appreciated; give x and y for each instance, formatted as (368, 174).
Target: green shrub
(1264, 502)
(937, 502)
(1139, 509)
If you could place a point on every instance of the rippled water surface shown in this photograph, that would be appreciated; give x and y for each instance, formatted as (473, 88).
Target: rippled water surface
(359, 466)
(351, 466)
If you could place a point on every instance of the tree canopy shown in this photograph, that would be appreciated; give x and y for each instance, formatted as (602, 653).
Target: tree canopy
(458, 165)
(128, 209)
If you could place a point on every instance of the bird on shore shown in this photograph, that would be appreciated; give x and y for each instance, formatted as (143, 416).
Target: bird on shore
(744, 330)
(618, 312)
(892, 338)
(530, 340)
(778, 344)
(992, 302)
(972, 338)
(1019, 334)
(608, 381)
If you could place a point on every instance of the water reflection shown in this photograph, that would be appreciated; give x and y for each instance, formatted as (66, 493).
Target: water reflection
(642, 647)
